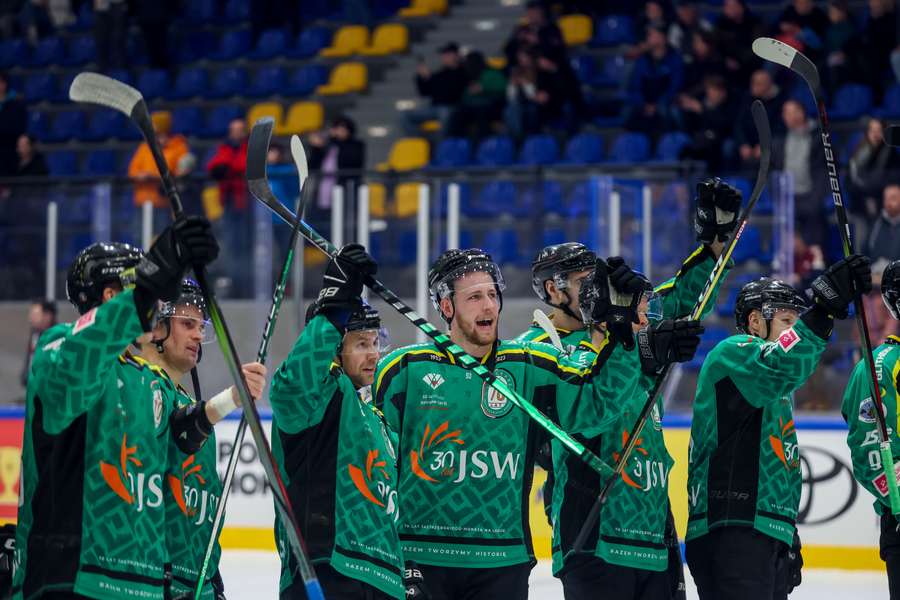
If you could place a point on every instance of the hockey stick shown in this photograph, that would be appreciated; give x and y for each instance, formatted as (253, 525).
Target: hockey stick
(259, 187)
(761, 121)
(544, 322)
(261, 355)
(782, 54)
(93, 88)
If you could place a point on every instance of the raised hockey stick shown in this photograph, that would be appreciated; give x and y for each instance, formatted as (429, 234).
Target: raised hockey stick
(782, 54)
(544, 322)
(256, 179)
(261, 355)
(93, 88)
(761, 121)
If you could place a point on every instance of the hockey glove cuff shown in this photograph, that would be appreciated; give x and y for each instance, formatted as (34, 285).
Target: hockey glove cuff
(841, 283)
(414, 582)
(667, 342)
(718, 204)
(190, 427)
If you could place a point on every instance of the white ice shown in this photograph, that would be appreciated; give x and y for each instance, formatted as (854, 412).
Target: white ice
(254, 576)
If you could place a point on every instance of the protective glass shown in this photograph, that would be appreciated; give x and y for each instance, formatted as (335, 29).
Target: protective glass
(444, 287)
(191, 309)
(365, 341)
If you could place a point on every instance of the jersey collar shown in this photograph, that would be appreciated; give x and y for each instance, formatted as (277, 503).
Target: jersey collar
(893, 340)
(155, 369)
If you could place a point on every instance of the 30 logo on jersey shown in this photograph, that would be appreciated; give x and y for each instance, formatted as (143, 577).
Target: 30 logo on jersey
(787, 451)
(363, 479)
(493, 403)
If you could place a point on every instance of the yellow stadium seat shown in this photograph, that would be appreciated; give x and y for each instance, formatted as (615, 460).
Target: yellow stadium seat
(348, 40)
(424, 8)
(497, 62)
(408, 154)
(389, 38)
(406, 200)
(302, 117)
(345, 78)
(266, 109)
(377, 200)
(576, 29)
(430, 126)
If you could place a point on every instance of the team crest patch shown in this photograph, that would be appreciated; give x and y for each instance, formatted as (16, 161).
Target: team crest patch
(657, 421)
(788, 340)
(433, 380)
(157, 407)
(85, 321)
(867, 411)
(493, 403)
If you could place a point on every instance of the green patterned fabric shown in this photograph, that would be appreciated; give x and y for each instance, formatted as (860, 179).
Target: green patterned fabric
(338, 461)
(466, 453)
(743, 462)
(858, 410)
(93, 463)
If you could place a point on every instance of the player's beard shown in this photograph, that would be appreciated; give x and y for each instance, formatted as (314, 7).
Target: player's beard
(475, 335)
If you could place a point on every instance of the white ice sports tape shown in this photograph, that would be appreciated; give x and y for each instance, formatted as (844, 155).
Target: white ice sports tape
(221, 404)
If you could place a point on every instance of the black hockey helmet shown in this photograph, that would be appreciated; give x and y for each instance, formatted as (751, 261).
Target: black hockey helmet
(556, 262)
(94, 268)
(364, 318)
(455, 263)
(190, 296)
(766, 295)
(890, 288)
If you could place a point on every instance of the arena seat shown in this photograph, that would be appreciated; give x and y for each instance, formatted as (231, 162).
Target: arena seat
(452, 152)
(304, 80)
(230, 81)
(613, 30)
(302, 117)
(348, 40)
(218, 120)
(424, 8)
(63, 163)
(890, 105)
(48, 51)
(13, 52)
(268, 81)
(346, 78)
(234, 44)
(266, 109)
(38, 124)
(539, 150)
(406, 200)
(154, 83)
(670, 145)
(389, 38)
(407, 154)
(272, 43)
(69, 124)
(187, 120)
(630, 147)
(584, 148)
(495, 151)
(851, 101)
(189, 83)
(576, 29)
(39, 87)
(503, 245)
(105, 124)
(310, 42)
(82, 50)
(101, 163)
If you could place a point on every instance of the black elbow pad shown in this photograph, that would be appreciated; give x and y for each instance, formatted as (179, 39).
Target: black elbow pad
(190, 427)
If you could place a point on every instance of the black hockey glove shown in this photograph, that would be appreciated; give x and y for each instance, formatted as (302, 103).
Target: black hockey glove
(841, 283)
(624, 279)
(414, 582)
(717, 209)
(795, 564)
(667, 342)
(186, 242)
(7, 554)
(601, 303)
(342, 284)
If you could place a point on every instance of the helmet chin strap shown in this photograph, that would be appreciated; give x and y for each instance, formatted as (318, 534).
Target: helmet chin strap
(159, 343)
(565, 306)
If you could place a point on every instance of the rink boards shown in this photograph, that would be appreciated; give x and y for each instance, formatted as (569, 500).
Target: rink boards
(838, 526)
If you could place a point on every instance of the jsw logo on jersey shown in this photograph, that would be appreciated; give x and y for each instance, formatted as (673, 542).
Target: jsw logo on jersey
(193, 501)
(645, 473)
(386, 496)
(436, 460)
(135, 488)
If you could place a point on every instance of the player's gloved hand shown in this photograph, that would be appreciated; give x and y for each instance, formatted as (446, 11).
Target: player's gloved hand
(187, 242)
(795, 564)
(841, 283)
(718, 205)
(667, 342)
(414, 582)
(342, 284)
(7, 553)
(624, 279)
(601, 303)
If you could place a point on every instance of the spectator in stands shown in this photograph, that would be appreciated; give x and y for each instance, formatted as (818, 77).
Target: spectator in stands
(702, 61)
(687, 24)
(883, 247)
(154, 17)
(838, 37)
(228, 165)
(735, 31)
(537, 32)
(334, 156)
(805, 22)
(482, 101)
(110, 29)
(762, 88)
(708, 122)
(41, 317)
(13, 122)
(283, 180)
(443, 88)
(534, 95)
(653, 14)
(34, 20)
(872, 163)
(877, 40)
(31, 162)
(656, 78)
(142, 168)
(799, 152)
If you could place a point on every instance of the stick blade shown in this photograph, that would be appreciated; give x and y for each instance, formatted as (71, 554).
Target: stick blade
(258, 148)
(780, 53)
(94, 88)
(892, 135)
(299, 156)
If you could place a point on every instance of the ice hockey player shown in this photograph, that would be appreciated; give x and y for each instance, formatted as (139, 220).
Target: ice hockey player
(337, 456)
(635, 556)
(744, 465)
(466, 452)
(192, 487)
(859, 412)
(96, 432)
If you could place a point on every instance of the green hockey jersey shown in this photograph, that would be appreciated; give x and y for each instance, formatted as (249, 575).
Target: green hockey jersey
(858, 410)
(92, 515)
(743, 460)
(631, 527)
(466, 453)
(338, 462)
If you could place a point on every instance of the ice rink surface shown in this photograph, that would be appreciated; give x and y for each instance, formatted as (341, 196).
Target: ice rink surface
(254, 576)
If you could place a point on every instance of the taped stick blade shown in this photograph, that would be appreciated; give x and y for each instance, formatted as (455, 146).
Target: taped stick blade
(94, 88)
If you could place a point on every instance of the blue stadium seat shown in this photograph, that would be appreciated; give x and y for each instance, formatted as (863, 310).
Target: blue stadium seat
(234, 44)
(800, 93)
(230, 81)
(189, 83)
(272, 43)
(39, 87)
(749, 247)
(851, 101)
(187, 120)
(670, 145)
(13, 52)
(551, 237)
(85, 17)
(612, 31)
(503, 246)
(630, 147)
(82, 50)
(38, 124)
(465, 240)
(405, 250)
(154, 83)
(237, 10)
(494, 198)
(584, 68)
(547, 196)
(309, 42)
(218, 120)
(123, 75)
(539, 150)
(62, 163)
(495, 151)
(578, 202)
(64, 82)
(452, 152)
(49, 51)
(304, 80)
(268, 81)
(198, 12)
(194, 46)
(101, 163)
(464, 199)
(584, 148)
(611, 73)
(104, 124)
(890, 105)
(67, 125)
